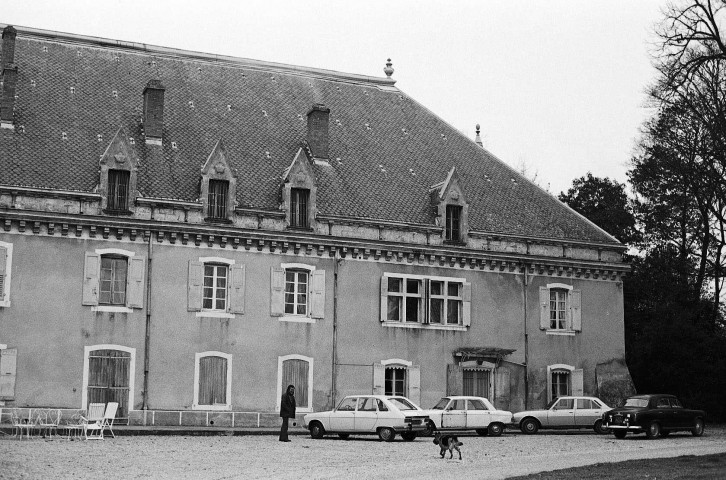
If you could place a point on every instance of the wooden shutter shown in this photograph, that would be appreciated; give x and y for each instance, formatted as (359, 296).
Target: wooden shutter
(502, 388)
(454, 380)
(194, 286)
(466, 306)
(414, 383)
(379, 378)
(384, 299)
(544, 308)
(8, 368)
(237, 289)
(549, 385)
(576, 309)
(91, 271)
(277, 291)
(577, 382)
(317, 309)
(295, 372)
(135, 283)
(3, 271)
(213, 381)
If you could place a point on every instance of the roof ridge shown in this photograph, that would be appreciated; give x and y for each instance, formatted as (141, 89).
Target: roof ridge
(143, 48)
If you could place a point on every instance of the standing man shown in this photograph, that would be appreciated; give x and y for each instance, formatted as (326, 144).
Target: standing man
(287, 411)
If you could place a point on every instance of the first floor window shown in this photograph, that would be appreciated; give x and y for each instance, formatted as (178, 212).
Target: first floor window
(296, 292)
(395, 383)
(558, 309)
(215, 287)
(217, 199)
(476, 382)
(436, 301)
(445, 302)
(560, 383)
(112, 287)
(118, 189)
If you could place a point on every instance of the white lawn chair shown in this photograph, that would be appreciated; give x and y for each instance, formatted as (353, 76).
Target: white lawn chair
(92, 420)
(94, 431)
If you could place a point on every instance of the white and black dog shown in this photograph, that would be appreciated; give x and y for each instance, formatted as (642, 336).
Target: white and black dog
(447, 442)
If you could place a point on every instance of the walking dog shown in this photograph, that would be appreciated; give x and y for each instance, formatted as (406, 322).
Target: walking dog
(447, 442)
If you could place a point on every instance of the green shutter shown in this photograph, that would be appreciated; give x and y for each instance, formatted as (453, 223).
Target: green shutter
(317, 309)
(544, 308)
(277, 291)
(237, 289)
(135, 283)
(91, 271)
(8, 367)
(194, 287)
(576, 309)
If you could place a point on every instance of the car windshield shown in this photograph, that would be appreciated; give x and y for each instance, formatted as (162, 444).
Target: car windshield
(402, 403)
(441, 404)
(552, 402)
(636, 402)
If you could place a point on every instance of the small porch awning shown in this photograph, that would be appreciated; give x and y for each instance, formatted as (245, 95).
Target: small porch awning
(497, 354)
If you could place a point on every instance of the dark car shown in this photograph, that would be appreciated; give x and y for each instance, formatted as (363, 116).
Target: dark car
(656, 415)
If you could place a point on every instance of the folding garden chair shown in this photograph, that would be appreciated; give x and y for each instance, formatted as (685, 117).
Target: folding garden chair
(94, 431)
(92, 420)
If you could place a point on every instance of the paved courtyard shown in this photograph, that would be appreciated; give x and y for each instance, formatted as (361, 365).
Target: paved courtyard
(262, 456)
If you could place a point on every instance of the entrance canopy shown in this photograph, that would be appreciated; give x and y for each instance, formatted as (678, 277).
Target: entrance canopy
(497, 354)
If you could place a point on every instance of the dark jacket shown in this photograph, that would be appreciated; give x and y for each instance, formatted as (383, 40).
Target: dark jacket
(287, 403)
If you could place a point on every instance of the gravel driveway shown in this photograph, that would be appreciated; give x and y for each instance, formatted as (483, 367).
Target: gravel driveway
(262, 456)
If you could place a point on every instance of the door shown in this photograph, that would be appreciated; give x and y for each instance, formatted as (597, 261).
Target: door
(342, 419)
(562, 413)
(477, 414)
(366, 416)
(454, 415)
(108, 380)
(586, 412)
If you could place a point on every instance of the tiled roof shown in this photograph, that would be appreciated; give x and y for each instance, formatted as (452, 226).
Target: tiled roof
(386, 149)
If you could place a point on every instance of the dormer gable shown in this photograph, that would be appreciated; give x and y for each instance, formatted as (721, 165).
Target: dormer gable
(451, 208)
(117, 183)
(299, 191)
(218, 189)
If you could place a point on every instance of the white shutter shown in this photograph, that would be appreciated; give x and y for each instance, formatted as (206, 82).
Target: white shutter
(91, 272)
(194, 286)
(317, 308)
(135, 283)
(576, 309)
(3, 271)
(414, 383)
(466, 306)
(277, 291)
(379, 377)
(8, 368)
(384, 299)
(237, 289)
(544, 308)
(577, 382)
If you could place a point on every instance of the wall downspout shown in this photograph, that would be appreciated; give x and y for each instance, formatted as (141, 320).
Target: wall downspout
(526, 341)
(145, 397)
(333, 387)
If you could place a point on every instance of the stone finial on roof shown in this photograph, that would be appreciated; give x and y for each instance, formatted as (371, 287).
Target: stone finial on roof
(389, 68)
(478, 138)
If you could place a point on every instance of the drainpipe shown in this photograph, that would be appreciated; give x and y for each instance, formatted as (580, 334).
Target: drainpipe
(145, 398)
(526, 341)
(335, 326)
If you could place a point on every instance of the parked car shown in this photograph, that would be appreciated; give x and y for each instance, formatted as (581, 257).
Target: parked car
(656, 415)
(467, 413)
(564, 412)
(370, 414)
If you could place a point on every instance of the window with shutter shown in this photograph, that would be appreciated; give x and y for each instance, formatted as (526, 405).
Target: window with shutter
(113, 280)
(216, 287)
(297, 292)
(560, 309)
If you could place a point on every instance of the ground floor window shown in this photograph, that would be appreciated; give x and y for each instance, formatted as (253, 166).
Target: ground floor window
(296, 370)
(212, 388)
(476, 382)
(560, 383)
(395, 381)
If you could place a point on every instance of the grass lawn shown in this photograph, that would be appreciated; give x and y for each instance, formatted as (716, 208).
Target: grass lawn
(688, 467)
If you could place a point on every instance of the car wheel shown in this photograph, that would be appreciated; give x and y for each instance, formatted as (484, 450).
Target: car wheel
(482, 431)
(495, 429)
(430, 429)
(408, 436)
(529, 426)
(600, 428)
(386, 434)
(344, 436)
(316, 430)
(619, 434)
(653, 430)
(698, 428)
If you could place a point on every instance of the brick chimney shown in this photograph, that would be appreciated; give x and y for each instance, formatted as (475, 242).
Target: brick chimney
(154, 112)
(318, 130)
(9, 77)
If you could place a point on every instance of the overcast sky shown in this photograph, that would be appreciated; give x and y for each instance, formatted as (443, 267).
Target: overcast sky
(557, 85)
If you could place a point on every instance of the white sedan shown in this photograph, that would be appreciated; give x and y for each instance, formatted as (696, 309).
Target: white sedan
(467, 413)
(369, 414)
(564, 412)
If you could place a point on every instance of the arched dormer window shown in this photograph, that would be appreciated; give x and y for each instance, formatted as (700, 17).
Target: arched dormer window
(299, 192)
(451, 208)
(218, 189)
(117, 184)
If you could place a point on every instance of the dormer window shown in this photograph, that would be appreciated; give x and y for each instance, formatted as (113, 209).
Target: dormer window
(217, 199)
(453, 223)
(118, 189)
(299, 201)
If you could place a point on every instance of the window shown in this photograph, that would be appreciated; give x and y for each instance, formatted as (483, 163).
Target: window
(476, 405)
(453, 223)
(565, 404)
(476, 382)
(6, 262)
(217, 199)
(366, 404)
(114, 271)
(560, 383)
(297, 292)
(212, 381)
(663, 403)
(560, 312)
(118, 189)
(416, 300)
(395, 381)
(296, 370)
(215, 287)
(299, 199)
(586, 404)
(564, 380)
(113, 280)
